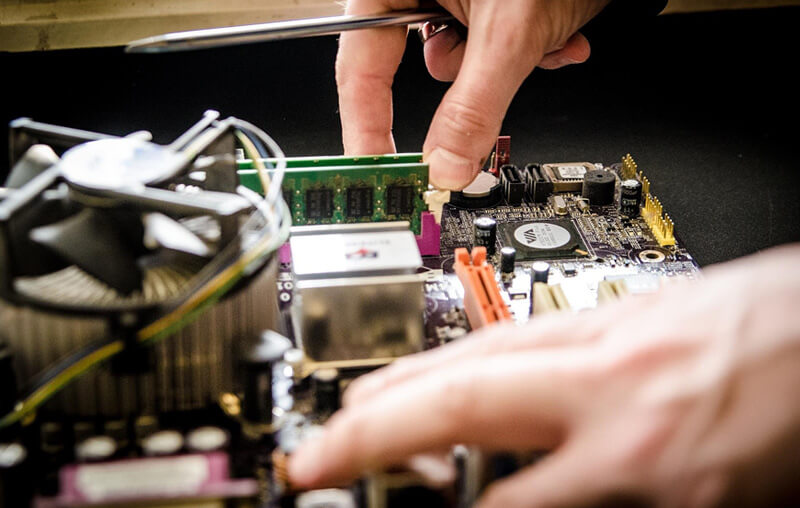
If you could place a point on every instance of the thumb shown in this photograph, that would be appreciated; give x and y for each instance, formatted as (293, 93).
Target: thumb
(467, 122)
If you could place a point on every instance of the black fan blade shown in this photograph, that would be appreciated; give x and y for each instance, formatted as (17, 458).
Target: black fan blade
(27, 257)
(93, 242)
(162, 231)
(34, 162)
(220, 204)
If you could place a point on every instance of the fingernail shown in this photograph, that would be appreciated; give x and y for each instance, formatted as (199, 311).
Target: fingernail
(429, 29)
(449, 170)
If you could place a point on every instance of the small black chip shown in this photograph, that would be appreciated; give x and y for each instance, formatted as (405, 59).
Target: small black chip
(399, 199)
(543, 239)
(319, 203)
(288, 197)
(359, 202)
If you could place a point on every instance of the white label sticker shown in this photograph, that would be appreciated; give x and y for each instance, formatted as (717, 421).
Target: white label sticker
(542, 235)
(567, 172)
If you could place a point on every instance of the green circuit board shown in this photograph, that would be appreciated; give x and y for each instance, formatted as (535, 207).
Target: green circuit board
(338, 190)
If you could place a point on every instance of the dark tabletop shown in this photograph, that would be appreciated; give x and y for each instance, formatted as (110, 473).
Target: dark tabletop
(707, 104)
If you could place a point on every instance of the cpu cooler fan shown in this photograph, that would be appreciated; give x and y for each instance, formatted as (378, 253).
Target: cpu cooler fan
(117, 210)
(119, 241)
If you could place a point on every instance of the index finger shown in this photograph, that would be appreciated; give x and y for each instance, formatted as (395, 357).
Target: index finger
(365, 67)
(548, 331)
(502, 403)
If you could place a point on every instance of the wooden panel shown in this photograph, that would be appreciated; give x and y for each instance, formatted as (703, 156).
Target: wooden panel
(54, 24)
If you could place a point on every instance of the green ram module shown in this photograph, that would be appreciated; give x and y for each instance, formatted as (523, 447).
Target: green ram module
(338, 190)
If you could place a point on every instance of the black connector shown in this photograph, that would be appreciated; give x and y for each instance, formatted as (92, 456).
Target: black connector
(513, 184)
(537, 185)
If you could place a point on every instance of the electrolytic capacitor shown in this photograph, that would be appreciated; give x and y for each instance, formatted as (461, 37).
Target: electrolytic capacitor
(15, 473)
(325, 383)
(207, 439)
(508, 256)
(163, 442)
(95, 448)
(630, 198)
(540, 272)
(484, 231)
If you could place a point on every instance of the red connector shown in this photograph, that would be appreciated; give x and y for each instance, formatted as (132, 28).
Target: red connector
(502, 154)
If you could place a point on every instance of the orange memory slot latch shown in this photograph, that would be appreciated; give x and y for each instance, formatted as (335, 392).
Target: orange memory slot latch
(483, 303)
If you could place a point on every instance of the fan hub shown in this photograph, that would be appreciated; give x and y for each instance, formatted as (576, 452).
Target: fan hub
(119, 163)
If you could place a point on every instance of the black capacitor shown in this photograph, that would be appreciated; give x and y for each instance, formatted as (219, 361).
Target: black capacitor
(540, 272)
(484, 234)
(598, 187)
(630, 198)
(325, 383)
(96, 449)
(259, 362)
(52, 454)
(508, 256)
(16, 483)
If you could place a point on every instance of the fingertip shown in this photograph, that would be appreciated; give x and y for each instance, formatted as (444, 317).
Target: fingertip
(450, 170)
(444, 53)
(578, 49)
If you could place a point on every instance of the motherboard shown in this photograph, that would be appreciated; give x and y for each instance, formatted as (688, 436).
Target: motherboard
(177, 319)
(592, 252)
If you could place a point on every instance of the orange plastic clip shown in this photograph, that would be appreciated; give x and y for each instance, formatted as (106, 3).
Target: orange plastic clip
(482, 300)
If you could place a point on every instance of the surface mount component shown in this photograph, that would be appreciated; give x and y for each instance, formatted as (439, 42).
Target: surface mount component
(567, 176)
(357, 292)
(546, 239)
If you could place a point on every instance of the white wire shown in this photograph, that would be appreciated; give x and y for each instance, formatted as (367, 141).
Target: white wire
(272, 146)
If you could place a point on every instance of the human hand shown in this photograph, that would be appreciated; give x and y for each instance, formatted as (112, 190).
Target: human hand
(507, 40)
(680, 398)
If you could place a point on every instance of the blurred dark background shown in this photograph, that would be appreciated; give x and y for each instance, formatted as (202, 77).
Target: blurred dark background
(707, 104)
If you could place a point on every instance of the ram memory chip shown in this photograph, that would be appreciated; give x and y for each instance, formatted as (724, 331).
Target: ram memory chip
(336, 190)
